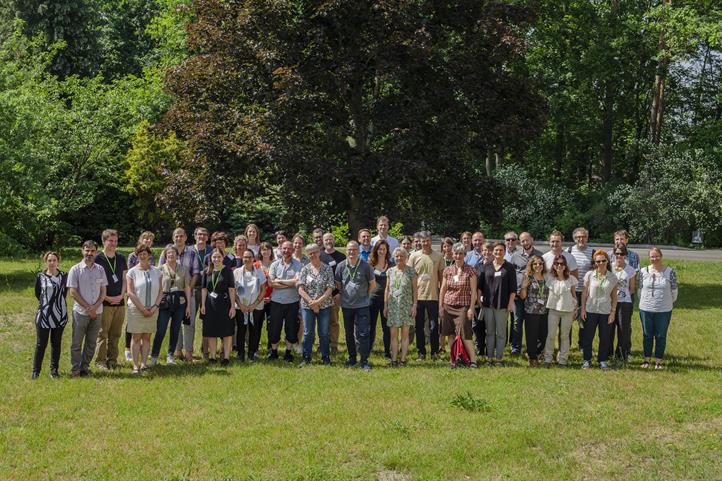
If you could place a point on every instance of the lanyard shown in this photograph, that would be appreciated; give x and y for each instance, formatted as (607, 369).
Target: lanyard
(398, 278)
(202, 257)
(214, 279)
(540, 286)
(352, 274)
(112, 268)
(600, 288)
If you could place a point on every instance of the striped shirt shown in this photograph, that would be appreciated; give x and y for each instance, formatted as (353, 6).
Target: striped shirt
(584, 263)
(51, 292)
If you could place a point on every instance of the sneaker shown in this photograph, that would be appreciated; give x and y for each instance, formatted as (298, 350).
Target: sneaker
(225, 362)
(422, 357)
(35, 375)
(153, 361)
(288, 357)
(112, 365)
(170, 360)
(84, 372)
(128, 355)
(366, 366)
(658, 366)
(54, 373)
(326, 361)
(101, 366)
(547, 365)
(350, 363)
(305, 362)
(515, 352)
(253, 357)
(212, 360)
(585, 365)
(273, 354)
(136, 370)
(434, 357)
(603, 365)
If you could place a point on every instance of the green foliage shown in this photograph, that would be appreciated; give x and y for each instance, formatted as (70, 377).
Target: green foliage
(468, 402)
(397, 230)
(341, 234)
(678, 191)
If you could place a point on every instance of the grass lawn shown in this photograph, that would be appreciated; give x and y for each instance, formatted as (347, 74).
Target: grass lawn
(281, 422)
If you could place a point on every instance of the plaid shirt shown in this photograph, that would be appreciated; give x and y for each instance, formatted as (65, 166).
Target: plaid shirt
(458, 293)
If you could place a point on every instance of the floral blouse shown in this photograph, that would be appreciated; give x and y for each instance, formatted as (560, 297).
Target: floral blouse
(315, 282)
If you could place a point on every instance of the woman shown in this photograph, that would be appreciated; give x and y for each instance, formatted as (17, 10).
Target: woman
(599, 305)
(657, 295)
(145, 238)
(380, 260)
(534, 293)
(457, 299)
(315, 286)
(407, 243)
(253, 234)
(298, 244)
(174, 304)
(250, 283)
(561, 304)
(497, 284)
(266, 256)
(626, 288)
(217, 309)
(144, 293)
(51, 292)
(240, 244)
(446, 249)
(487, 251)
(400, 303)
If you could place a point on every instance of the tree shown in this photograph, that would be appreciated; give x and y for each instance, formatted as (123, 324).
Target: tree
(353, 106)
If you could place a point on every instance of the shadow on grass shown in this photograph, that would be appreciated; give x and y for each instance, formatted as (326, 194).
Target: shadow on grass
(699, 297)
(17, 280)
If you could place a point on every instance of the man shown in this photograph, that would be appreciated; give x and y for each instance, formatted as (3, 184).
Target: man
(281, 237)
(520, 259)
(475, 258)
(201, 251)
(556, 247)
(382, 227)
(187, 257)
(355, 279)
(283, 275)
(429, 266)
(364, 243)
(583, 256)
(332, 258)
(510, 240)
(87, 282)
(465, 238)
(111, 323)
(417, 242)
(621, 238)
(318, 237)
(516, 319)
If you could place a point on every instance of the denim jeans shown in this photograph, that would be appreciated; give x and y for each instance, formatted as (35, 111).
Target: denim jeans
(654, 330)
(356, 321)
(309, 324)
(516, 326)
(175, 316)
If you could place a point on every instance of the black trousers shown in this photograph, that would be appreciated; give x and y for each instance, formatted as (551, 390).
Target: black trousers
(430, 308)
(536, 328)
(254, 332)
(623, 327)
(479, 328)
(283, 316)
(376, 309)
(41, 343)
(590, 329)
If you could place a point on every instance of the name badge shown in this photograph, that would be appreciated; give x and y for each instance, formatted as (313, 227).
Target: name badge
(291, 273)
(115, 278)
(332, 263)
(540, 301)
(396, 293)
(457, 278)
(213, 295)
(497, 274)
(424, 277)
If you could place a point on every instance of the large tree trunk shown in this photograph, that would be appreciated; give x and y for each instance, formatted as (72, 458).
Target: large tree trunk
(607, 134)
(355, 221)
(657, 113)
(488, 164)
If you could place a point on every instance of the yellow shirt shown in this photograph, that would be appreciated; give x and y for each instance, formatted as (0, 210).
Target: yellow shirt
(430, 269)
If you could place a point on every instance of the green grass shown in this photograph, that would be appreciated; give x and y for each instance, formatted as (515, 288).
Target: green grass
(422, 422)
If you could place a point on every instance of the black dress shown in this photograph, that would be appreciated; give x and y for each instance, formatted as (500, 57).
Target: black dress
(216, 322)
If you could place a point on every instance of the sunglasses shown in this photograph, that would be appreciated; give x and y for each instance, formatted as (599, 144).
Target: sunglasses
(601, 261)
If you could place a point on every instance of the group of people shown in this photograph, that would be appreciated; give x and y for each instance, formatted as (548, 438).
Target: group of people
(471, 289)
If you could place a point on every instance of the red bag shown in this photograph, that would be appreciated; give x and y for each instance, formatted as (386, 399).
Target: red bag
(458, 352)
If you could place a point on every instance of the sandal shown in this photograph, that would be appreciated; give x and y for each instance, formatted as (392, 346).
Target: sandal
(658, 366)
(644, 365)
(473, 365)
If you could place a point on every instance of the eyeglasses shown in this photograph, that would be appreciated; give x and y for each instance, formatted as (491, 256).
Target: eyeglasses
(600, 261)
(510, 239)
(619, 254)
(560, 264)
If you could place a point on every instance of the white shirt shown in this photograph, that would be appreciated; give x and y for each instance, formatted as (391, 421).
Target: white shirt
(393, 243)
(549, 261)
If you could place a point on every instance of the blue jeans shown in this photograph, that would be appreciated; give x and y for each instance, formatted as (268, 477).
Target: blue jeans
(309, 324)
(175, 316)
(357, 319)
(654, 329)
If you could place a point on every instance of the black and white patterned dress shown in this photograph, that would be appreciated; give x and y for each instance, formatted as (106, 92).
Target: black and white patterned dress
(51, 294)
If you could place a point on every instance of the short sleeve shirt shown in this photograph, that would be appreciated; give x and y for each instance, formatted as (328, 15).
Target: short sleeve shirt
(458, 285)
(114, 268)
(88, 281)
(316, 282)
(282, 271)
(393, 242)
(430, 268)
(354, 283)
(549, 261)
(248, 285)
(175, 281)
(519, 260)
(624, 276)
(147, 284)
(599, 293)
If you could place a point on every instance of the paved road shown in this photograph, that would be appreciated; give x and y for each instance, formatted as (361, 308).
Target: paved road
(669, 252)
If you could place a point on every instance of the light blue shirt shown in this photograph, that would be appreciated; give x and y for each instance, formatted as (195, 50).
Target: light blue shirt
(279, 270)
(472, 258)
